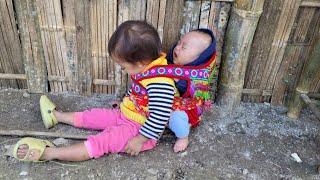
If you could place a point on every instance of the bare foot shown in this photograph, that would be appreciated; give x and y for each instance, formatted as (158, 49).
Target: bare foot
(181, 144)
(23, 151)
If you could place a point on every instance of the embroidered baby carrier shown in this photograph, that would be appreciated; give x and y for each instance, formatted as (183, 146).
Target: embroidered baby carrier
(197, 97)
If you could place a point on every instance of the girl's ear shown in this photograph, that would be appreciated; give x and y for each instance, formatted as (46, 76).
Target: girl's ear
(143, 63)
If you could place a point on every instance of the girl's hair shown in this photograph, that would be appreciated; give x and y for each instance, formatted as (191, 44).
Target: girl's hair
(135, 41)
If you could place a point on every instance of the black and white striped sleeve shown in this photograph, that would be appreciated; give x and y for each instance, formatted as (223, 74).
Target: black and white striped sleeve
(161, 97)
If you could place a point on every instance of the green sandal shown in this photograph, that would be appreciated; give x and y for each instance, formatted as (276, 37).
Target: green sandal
(47, 107)
(36, 148)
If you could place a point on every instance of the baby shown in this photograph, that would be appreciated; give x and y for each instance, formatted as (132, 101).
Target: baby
(194, 48)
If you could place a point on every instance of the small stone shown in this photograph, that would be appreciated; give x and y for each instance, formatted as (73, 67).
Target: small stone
(245, 171)
(26, 95)
(60, 141)
(151, 178)
(266, 103)
(184, 154)
(153, 171)
(168, 175)
(91, 176)
(296, 157)
(23, 173)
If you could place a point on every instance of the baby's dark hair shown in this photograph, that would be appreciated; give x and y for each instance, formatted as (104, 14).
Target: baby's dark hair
(135, 41)
(206, 32)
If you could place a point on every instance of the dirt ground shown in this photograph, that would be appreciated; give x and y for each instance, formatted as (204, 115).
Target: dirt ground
(255, 143)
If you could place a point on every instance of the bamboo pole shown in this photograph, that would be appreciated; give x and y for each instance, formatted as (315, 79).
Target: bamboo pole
(244, 18)
(309, 73)
(24, 133)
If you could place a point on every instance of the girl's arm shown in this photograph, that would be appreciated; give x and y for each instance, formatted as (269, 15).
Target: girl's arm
(161, 97)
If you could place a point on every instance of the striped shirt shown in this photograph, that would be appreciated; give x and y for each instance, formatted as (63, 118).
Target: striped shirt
(161, 97)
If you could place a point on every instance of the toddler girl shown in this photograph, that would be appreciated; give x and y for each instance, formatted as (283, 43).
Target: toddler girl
(142, 116)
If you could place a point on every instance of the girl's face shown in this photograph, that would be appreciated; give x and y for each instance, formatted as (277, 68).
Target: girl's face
(131, 68)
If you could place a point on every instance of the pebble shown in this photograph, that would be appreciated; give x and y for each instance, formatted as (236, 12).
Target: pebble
(60, 141)
(26, 95)
(23, 173)
(151, 178)
(296, 157)
(184, 154)
(266, 103)
(245, 171)
(153, 171)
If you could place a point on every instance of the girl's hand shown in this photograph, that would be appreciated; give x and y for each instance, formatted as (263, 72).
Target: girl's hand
(135, 144)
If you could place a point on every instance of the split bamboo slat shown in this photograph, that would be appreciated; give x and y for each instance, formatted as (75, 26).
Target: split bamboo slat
(173, 22)
(83, 31)
(296, 53)
(11, 61)
(69, 20)
(30, 36)
(310, 3)
(191, 14)
(218, 21)
(121, 76)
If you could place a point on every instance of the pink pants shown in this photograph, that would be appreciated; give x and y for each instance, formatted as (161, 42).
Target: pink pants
(117, 131)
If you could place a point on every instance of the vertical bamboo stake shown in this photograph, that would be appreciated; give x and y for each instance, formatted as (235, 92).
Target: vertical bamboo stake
(309, 73)
(32, 49)
(242, 25)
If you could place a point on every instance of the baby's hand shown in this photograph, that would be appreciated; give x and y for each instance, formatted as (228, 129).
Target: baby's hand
(176, 80)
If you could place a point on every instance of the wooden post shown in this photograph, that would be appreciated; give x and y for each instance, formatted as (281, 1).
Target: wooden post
(309, 73)
(242, 25)
(32, 49)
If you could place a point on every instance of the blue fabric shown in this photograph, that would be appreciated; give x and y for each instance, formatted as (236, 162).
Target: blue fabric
(179, 124)
(203, 58)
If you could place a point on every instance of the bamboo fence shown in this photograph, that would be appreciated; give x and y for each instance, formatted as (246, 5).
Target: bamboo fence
(61, 45)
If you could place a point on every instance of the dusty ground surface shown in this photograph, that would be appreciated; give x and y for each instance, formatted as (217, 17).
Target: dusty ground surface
(256, 143)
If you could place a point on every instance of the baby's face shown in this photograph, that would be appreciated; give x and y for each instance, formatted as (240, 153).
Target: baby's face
(190, 46)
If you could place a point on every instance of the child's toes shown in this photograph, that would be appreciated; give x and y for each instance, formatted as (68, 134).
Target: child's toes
(22, 151)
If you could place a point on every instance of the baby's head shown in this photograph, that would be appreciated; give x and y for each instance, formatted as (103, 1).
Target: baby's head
(134, 45)
(190, 46)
